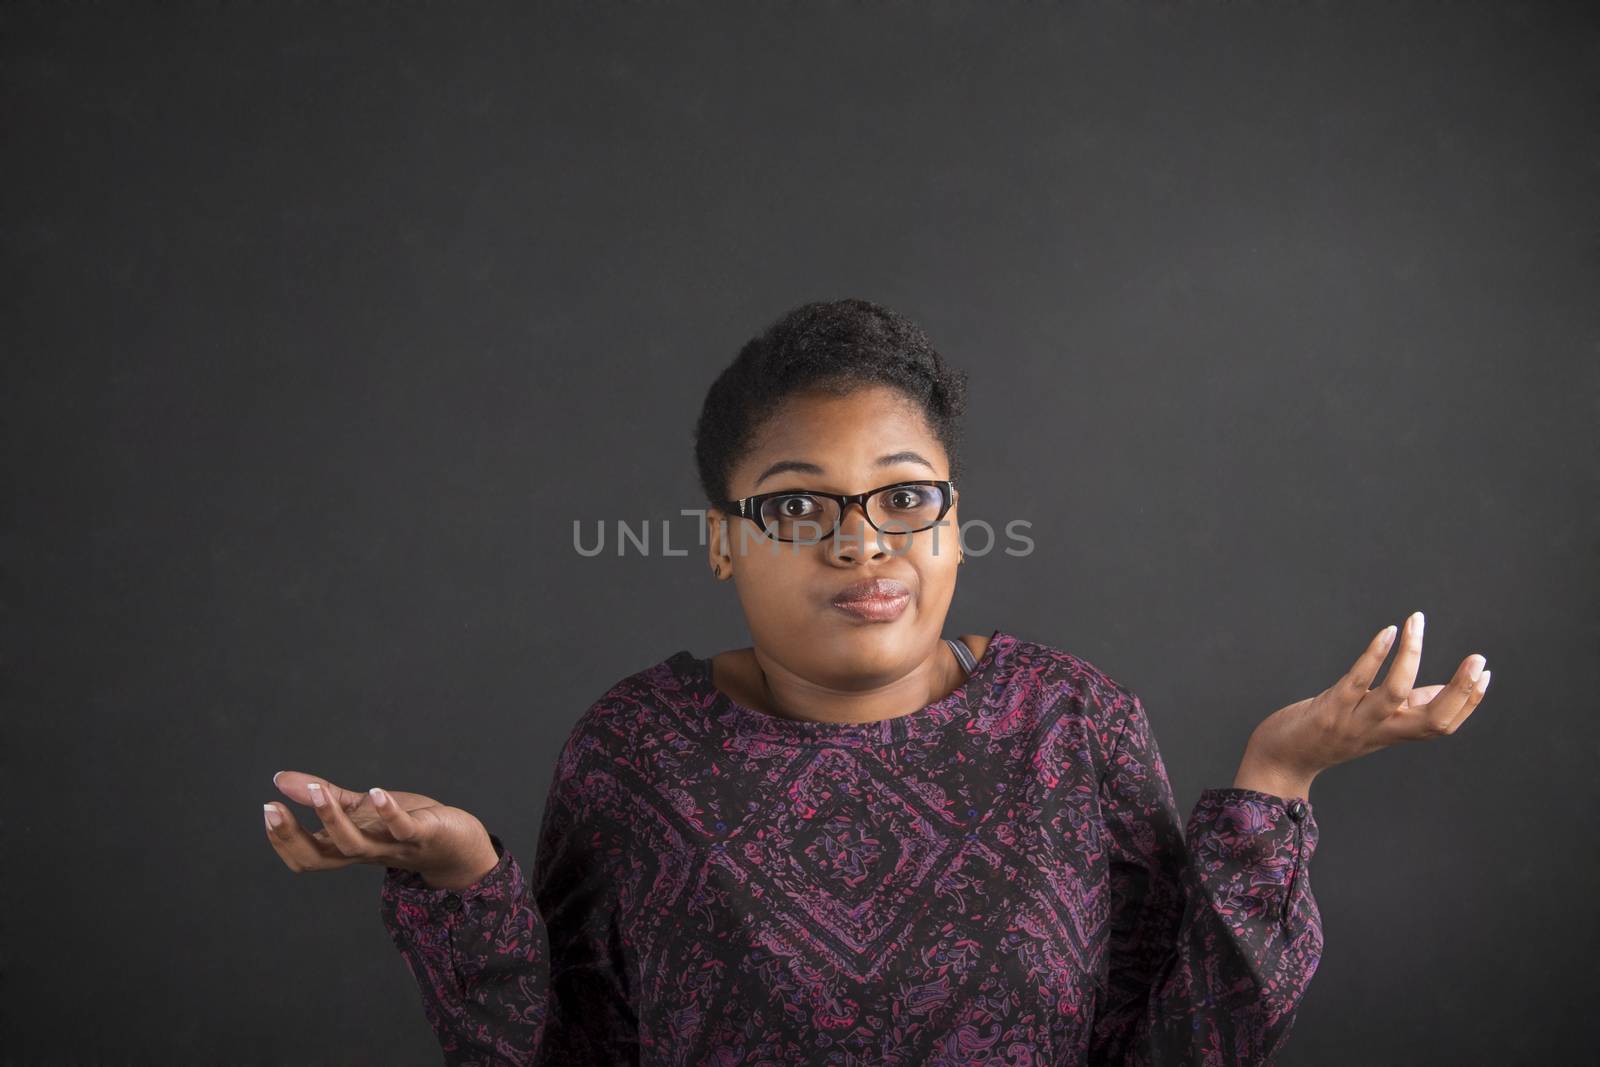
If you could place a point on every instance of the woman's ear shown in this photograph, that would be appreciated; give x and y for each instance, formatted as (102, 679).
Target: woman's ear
(717, 543)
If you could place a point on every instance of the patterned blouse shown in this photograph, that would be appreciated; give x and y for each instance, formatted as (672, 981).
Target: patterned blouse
(1000, 877)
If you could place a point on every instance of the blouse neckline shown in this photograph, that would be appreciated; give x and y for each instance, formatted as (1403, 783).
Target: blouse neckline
(754, 722)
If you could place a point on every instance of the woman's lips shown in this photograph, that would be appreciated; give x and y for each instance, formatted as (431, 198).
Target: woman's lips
(875, 599)
(875, 609)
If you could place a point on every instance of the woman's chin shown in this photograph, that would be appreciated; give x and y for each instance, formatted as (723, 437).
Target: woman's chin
(861, 650)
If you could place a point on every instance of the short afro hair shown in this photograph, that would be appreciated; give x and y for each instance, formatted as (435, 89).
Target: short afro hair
(832, 346)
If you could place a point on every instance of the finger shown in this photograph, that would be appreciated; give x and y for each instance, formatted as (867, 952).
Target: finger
(1358, 679)
(409, 831)
(1423, 694)
(1433, 710)
(295, 785)
(1402, 673)
(299, 850)
(1479, 691)
(345, 835)
(1439, 713)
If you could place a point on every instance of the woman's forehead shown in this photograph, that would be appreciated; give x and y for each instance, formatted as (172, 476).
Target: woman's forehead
(867, 432)
(887, 463)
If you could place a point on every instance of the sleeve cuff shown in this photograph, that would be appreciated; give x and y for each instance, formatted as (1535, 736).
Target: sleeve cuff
(1251, 848)
(1249, 826)
(1295, 807)
(414, 899)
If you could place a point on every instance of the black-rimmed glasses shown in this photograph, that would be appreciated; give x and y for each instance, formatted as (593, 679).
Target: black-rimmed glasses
(807, 515)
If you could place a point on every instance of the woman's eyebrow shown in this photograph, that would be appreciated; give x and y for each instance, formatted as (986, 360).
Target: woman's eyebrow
(903, 456)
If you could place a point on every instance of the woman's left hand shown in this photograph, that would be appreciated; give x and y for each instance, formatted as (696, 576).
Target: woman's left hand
(1294, 744)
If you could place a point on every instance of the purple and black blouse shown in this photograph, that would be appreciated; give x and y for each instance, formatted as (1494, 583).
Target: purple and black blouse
(1000, 877)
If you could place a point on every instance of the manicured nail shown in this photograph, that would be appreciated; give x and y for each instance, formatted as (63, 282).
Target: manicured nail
(1416, 624)
(1476, 669)
(379, 797)
(317, 798)
(1483, 680)
(275, 777)
(270, 813)
(1387, 637)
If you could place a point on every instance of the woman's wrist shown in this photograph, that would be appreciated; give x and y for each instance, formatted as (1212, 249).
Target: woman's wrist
(1260, 773)
(466, 875)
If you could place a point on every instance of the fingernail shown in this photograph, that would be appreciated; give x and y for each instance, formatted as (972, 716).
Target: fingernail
(379, 797)
(317, 798)
(1478, 663)
(1416, 624)
(1388, 637)
(275, 777)
(270, 813)
(1483, 679)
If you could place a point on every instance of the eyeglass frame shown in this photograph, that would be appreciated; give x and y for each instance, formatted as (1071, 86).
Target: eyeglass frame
(749, 507)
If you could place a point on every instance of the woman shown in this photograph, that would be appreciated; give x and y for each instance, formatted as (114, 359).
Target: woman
(855, 842)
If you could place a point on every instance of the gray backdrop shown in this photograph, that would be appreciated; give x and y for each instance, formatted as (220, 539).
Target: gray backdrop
(323, 322)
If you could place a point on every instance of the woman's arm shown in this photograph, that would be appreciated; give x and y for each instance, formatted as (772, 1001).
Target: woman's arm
(530, 970)
(1213, 942)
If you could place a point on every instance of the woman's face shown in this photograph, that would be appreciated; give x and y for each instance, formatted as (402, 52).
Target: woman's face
(848, 444)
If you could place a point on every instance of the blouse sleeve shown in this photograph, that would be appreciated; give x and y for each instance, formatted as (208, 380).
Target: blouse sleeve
(480, 958)
(528, 971)
(1214, 941)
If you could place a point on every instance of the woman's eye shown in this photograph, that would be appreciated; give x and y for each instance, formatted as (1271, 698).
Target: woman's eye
(905, 499)
(796, 507)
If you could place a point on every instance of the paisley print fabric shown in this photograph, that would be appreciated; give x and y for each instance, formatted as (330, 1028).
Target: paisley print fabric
(1000, 877)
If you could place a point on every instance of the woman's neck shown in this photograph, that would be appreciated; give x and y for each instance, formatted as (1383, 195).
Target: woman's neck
(749, 679)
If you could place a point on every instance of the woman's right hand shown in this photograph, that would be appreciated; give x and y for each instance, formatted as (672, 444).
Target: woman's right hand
(447, 846)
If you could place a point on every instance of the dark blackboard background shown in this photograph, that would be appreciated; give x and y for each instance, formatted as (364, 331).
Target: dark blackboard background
(323, 322)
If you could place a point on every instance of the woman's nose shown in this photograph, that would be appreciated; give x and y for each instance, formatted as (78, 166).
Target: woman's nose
(856, 538)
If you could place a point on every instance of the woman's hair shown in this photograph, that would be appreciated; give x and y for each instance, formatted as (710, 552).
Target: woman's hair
(830, 346)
